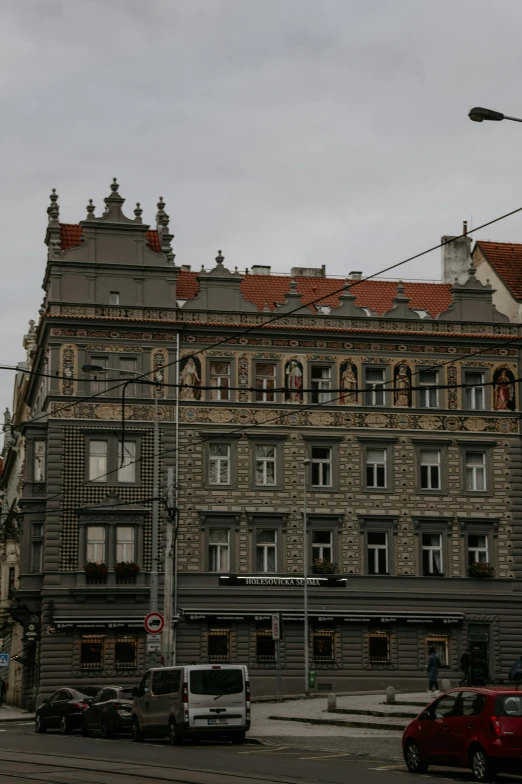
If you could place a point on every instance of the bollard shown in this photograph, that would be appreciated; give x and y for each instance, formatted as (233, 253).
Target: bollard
(332, 702)
(445, 684)
(390, 696)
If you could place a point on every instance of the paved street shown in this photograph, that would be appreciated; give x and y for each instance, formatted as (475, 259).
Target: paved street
(27, 757)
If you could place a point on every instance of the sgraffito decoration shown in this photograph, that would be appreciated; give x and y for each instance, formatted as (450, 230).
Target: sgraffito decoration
(190, 378)
(453, 395)
(159, 370)
(294, 381)
(349, 380)
(504, 389)
(402, 385)
(68, 370)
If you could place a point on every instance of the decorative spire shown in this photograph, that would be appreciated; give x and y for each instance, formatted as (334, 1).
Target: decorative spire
(165, 237)
(137, 212)
(113, 203)
(220, 258)
(7, 418)
(160, 213)
(90, 210)
(114, 185)
(53, 210)
(400, 289)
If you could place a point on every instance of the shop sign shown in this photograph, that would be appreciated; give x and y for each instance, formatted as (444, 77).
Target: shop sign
(254, 581)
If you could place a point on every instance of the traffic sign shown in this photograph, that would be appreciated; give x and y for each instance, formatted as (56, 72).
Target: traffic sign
(276, 626)
(154, 623)
(153, 643)
(4, 660)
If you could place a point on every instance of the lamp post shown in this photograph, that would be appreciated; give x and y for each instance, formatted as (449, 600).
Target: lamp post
(479, 114)
(155, 474)
(306, 463)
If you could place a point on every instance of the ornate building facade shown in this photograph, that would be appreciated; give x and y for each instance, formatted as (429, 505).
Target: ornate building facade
(393, 408)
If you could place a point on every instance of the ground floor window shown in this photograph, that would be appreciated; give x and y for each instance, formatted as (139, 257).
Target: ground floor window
(125, 652)
(323, 646)
(219, 645)
(441, 644)
(91, 652)
(379, 647)
(265, 646)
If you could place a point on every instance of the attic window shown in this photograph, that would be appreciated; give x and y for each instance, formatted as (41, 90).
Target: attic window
(422, 313)
(114, 298)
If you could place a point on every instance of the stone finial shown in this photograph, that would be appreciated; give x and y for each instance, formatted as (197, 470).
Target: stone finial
(472, 271)
(160, 213)
(400, 289)
(114, 185)
(113, 204)
(137, 212)
(53, 210)
(90, 210)
(7, 418)
(220, 258)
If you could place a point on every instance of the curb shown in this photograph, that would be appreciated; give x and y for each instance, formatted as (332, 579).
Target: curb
(29, 717)
(379, 714)
(370, 725)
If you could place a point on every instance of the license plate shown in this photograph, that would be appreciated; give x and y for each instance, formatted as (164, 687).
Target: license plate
(218, 721)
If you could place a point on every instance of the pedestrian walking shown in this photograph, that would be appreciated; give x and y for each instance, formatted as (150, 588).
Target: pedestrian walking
(433, 671)
(465, 664)
(515, 674)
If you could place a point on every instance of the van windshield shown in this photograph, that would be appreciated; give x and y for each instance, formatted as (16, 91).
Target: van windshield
(216, 682)
(508, 705)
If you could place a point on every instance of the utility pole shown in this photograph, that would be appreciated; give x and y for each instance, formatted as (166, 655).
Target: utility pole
(168, 609)
(155, 509)
(306, 463)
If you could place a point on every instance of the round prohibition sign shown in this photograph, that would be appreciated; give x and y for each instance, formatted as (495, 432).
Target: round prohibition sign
(154, 623)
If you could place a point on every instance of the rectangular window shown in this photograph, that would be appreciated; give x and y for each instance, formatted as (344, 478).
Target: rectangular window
(474, 394)
(127, 368)
(375, 378)
(219, 464)
(379, 647)
(39, 461)
(321, 380)
(97, 461)
(127, 461)
(321, 466)
(265, 646)
(219, 549)
(166, 681)
(220, 380)
(430, 469)
(376, 468)
(114, 298)
(265, 464)
(37, 558)
(11, 582)
(323, 646)
(124, 544)
(475, 471)
(441, 645)
(125, 652)
(99, 378)
(322, 548)
(96, 544)
(432, 554)
(478, 549)
(91, 652)
(266, 550)
(265, 382)
(218, 645)
(377, 552)
(428, 392)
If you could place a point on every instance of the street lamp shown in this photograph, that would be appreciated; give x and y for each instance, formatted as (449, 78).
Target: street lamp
(479, 114)
(306, 463)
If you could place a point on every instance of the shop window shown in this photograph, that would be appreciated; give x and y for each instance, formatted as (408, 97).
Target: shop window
(428, 392)
(219, 550)
(39, 461)
(219, 464)
(265, 646)
(266, 550)
(265, 378)
(266, 464)
(379, 647)
(321, 466)
(321, 380)
(97, 461)
(220, 380)
(441, 645)
(91, 652)
(430, 469)
(125, 652)
(432, 555)
(323, 646)
(474, 393)
(218, 645)
(377, 552)
(127, 461)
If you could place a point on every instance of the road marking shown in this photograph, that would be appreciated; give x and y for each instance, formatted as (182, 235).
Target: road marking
(390, 767)
(327, 756)
(263, 751)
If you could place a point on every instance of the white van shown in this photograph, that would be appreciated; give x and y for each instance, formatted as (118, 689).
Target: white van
(192, 702)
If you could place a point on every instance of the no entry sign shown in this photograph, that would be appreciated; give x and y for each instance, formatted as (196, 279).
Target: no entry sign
(154, 623)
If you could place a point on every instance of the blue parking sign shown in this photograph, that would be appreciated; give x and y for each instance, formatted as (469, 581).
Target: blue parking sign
(4, 660)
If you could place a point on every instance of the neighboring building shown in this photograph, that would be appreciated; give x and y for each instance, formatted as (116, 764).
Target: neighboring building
(412, 478)
(500, 263)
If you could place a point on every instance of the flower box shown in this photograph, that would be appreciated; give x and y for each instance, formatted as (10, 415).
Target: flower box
(95, 573)
(323, 566)
(126, 572)
(480, 570)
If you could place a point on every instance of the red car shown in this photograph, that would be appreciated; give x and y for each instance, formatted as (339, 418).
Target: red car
(477, 728)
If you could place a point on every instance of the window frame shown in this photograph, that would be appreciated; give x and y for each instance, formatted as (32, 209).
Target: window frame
(316, 392)
(372, 442)
(93, 638)
(277, 381)
(431, 445)
(424, 389)
(231, 440)
(266, 546)
(469, 393)
(473, 468)
(39, 460)
(429, 475)
(216, 632)
(132, 464)
(231, 379)
(330, 634)
(91, 526)
(219, 546)
(386, 525)
(113, 442)
(119, 665)
(369, 388)
(380, 634)
(132, 528)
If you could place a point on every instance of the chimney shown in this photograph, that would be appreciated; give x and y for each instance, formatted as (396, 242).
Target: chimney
(355, 275)
(456, 257)
(260, 269)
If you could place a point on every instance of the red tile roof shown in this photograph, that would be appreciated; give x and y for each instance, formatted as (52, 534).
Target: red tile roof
(71, 235)
(506, 260)
(374, 294)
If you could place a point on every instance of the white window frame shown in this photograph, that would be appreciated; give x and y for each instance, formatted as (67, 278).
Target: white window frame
(474, 470)
(219, 390)
(98, 463)
(262, 463)
(263, 393)
(126, 548)
(430, 466)
(429, 393)
(475, 551)
(322, 384)
(265, 549)
(374, 465)
(114, 298)
(127, 471)
(39, 461)
(374, 390)
(373, 553)
(218, 552)
(431, 549)
(325, 466)
(219, 461)
(98, 553)
(475, 395)
(319, 549)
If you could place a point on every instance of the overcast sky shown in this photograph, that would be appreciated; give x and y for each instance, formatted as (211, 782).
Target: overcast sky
(286, 132)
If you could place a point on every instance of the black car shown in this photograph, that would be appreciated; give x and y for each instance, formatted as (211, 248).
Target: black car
(63, 711)
(110, 712)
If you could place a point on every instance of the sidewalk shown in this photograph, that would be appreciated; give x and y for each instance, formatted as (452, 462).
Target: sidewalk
(9, 713)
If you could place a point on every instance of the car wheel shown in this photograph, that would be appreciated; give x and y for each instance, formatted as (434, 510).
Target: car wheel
(137, 734)
(480, 765)
(104, 729)
(39, 725)
(412, 758)
(65, 727)
(175, 738)
(238, 738)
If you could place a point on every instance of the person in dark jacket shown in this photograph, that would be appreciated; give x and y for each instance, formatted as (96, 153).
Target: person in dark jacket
(515, 674)
(465, 664)
(433, 670)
